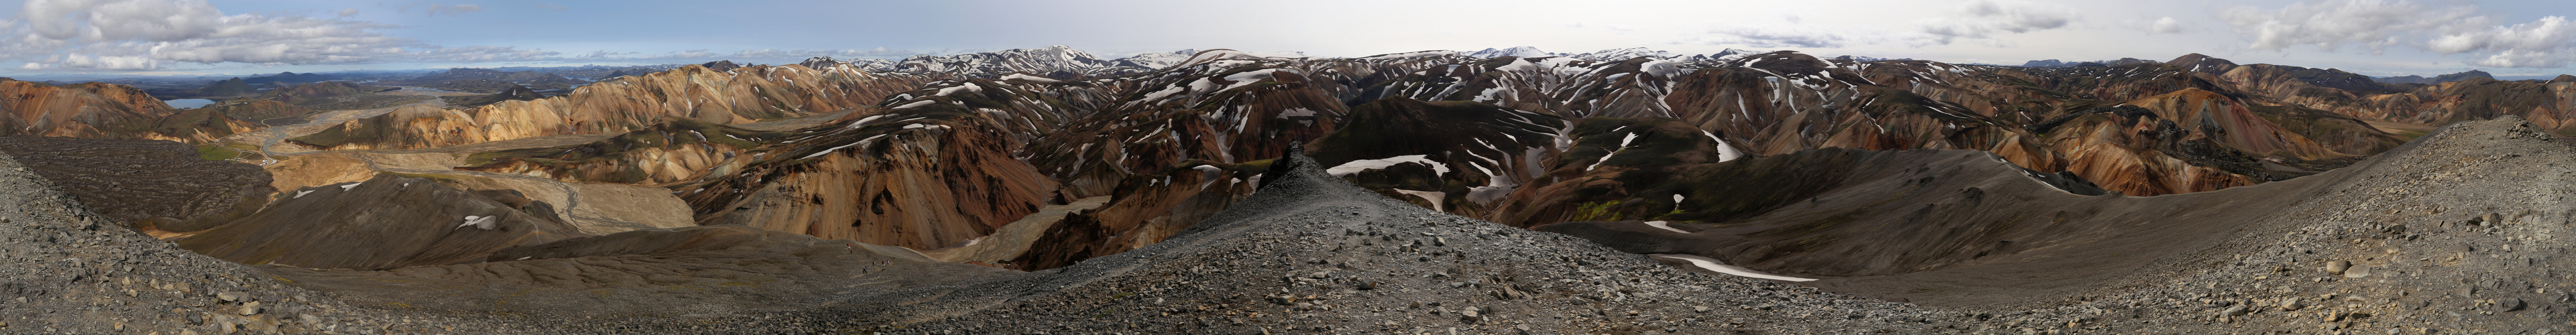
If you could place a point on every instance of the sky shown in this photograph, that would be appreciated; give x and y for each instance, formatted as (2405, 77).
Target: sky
(234, 37)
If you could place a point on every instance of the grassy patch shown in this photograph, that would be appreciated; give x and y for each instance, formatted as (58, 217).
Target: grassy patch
(216, 153)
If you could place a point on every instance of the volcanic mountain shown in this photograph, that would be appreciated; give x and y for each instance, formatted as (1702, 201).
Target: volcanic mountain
(626, 103)
(101, 110)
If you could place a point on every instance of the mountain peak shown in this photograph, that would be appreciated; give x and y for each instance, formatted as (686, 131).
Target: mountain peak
(1620, 54)
(1519, 51)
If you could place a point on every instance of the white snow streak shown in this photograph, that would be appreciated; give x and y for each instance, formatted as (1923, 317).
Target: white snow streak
(481, 222)
(1356, 166)
(1666, 225)
(1714, 265)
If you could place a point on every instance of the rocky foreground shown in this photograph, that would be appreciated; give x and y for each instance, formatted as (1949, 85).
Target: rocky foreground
(2453, 233)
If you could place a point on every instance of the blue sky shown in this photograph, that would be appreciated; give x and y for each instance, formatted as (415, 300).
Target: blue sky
(158, 37)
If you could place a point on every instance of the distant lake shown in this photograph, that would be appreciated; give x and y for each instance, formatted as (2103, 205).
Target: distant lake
(188, 103)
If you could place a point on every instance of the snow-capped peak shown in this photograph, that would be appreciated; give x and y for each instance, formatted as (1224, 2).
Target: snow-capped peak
(1157, 60)
(1613, 55)
(1519, 51)
(1050, 59)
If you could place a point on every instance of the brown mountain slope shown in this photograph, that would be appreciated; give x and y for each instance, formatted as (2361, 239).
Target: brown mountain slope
(924, 177)
(101, 110)
(382, 223)
(1952, 228)
(674, 150)
(628, 103)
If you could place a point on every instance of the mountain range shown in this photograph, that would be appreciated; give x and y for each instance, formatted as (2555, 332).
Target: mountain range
(1503, 190)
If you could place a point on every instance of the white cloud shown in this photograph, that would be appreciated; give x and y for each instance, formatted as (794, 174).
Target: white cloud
(435, 9)
(149, 34)
(1773, 37)
(2332, 24)
(2545, 43)
(110, 62)
(349, 12)
(2166, 25)
(1987, 18)
(2548, 42)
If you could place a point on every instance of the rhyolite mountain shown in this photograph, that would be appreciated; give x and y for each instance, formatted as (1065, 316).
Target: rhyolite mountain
(100, 110)
(1534, 141)
(743, 95)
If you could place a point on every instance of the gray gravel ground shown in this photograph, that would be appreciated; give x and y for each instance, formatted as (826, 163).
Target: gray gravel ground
(70, 271)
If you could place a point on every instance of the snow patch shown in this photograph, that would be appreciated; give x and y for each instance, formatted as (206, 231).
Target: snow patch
(1158, 95)
(968, 88)
(1017, 76)
(481, 222)
(1724, 152)
(1666, 225)
(300, 194)
(1720, 267)
(916, 104)
(346, 188)
(1356, 166)
(864, 121)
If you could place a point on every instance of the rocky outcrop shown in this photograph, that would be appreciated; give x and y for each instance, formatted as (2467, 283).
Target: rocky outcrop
(627, 103)
(101, 110)
(383, 223)
(674, 150)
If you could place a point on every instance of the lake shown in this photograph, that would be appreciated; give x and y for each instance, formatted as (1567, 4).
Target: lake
(188, 103)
